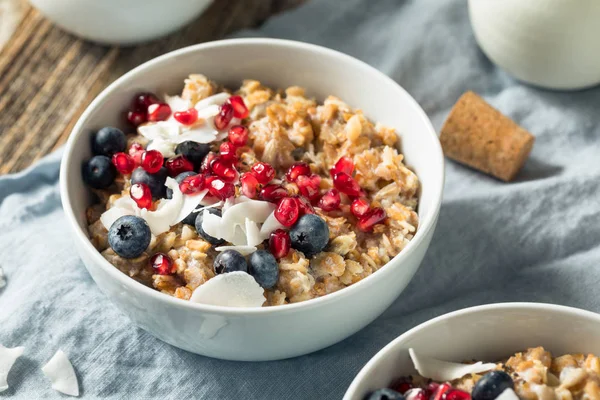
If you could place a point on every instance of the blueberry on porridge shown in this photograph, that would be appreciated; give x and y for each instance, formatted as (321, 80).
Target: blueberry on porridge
(534, 374)
(303, 198)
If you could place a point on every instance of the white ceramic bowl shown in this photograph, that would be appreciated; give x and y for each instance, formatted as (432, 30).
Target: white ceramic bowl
(120, 21)
(282, 331)
(487, 333)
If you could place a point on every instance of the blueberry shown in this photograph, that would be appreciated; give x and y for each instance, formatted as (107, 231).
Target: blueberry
(491, 385)
(129, 236)
(310, 235)
(179, 178)
(99, 172)
(264, 268)
(385, 394)
(108, 141)
(193, 151)
(204, 235)
(229, 261)
(156, 182)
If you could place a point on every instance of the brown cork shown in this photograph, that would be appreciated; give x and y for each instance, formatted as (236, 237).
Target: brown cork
(478, 135)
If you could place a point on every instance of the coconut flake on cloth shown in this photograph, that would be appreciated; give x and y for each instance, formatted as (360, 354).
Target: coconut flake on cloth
(62, 375)
(443, 370)
(7, 359)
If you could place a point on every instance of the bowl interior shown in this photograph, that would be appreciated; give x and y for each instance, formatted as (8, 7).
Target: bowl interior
(485, 333)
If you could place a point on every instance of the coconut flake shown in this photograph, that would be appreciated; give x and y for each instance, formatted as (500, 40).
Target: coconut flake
(217, 99)
(167, 210)
(161, 129)
(177, 103)
(62, 375)
(190, 203)
(508, 394)
(253, 237)
(165, 146)
(443, 370)
(256, 210)
(234, 289)
(243, 250)
(270, 225)
(2, 280)
(7, 359)
(201, 134)
(211, 224)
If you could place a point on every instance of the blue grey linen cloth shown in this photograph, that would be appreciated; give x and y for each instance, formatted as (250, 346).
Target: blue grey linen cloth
(535, 239)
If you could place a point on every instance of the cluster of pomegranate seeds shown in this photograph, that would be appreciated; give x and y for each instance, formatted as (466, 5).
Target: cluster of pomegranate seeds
(288, 211)
(219, 188)
(305, 206)
(123, 162)
(296, 170)
(263, 172)
(142, 101)
(227, 150)
(373, 217)
(279, 243)
(360, 207)
(159, 112)
(152, 161)
(141, 194)
(223, 169)
(223, 118)
(273, 193)
(250, 185)
(187, 117)
(192, 184)
(178, 164)
(330, 200)
(162, 263)
(238, 135)
(344, 164)
(347, 184)
(239, 107)
(135, 151)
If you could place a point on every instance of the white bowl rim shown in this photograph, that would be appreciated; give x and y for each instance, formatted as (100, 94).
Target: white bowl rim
(424, 225)
(530, 306)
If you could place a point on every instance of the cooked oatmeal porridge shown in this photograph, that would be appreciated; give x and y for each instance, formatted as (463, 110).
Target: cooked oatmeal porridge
(306, 197)
(534, 374)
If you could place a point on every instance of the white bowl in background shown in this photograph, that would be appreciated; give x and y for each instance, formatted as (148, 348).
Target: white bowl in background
(120, 21)
(272, 332)
(554, 44)
(484, 333)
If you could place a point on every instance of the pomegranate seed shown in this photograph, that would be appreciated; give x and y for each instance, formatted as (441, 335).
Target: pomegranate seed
(219, 188)
(178, 164)
(239, 107)
(192, 184)
(309, 185)
(136, 118)
(223, 169)
(417, 394)
(162, 263)
(330, 200)
(441, 391)
(227, 150)
(456, 394)
(136, 151)
(305, 206)
(152, 161)
(205, 167)
(273, 193)
(123, 162)
(402, 385)
(360, 207)
(223, 118)
(370, 219)
(433, 387)
(280, 243)
(250, 185)
(344, 164)
(159, 112)
(238, 135)
(287, 211)
(346, 184)
(263, 172)
(187, 117)
(297, 170)
(141, 194)
(142, 101)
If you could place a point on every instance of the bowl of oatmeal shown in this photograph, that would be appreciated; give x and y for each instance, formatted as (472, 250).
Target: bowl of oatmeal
(506, 351)
(233, 196)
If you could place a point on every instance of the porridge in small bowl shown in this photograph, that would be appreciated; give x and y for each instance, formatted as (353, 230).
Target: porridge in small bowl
(249, 197)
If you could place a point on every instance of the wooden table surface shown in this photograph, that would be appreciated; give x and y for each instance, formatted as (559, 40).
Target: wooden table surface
(48, 77)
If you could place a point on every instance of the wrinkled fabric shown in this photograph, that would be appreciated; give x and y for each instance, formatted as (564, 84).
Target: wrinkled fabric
(535, 239)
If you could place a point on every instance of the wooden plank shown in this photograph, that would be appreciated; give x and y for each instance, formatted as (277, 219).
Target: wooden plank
(47, 76)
